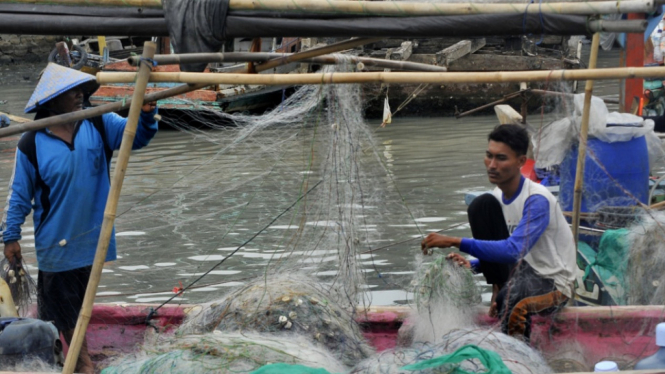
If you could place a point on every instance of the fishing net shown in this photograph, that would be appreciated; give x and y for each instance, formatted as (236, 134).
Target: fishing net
(445, 296)
(285, 305)
(225, 353)
(21, 285)
(518, 357)
(646, 259)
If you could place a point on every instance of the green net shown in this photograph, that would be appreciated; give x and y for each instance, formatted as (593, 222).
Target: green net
(609, 262)
(491, 360)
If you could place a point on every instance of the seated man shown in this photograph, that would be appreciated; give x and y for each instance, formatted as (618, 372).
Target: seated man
(519, 229)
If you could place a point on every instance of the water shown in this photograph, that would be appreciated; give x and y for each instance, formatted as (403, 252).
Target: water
(433, 162)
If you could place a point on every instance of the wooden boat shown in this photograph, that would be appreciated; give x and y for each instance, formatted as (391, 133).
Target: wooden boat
(229, 99)
(622, 334)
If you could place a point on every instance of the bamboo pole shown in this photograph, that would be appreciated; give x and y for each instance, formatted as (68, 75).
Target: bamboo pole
(192, 58)
(394, 8)
(110, 210)
(584, 131)
(404, 8)
(96, 111)
(335, 47)
(388, 77)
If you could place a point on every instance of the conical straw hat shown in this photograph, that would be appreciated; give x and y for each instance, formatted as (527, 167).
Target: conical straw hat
(57, 79)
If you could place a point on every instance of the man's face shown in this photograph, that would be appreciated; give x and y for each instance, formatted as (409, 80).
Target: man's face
(502, 163)
(68, 101)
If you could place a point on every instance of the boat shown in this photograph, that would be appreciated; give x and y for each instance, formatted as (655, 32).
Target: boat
(623, 334)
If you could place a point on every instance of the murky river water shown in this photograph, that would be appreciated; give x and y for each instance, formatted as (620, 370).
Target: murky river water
(434, 161)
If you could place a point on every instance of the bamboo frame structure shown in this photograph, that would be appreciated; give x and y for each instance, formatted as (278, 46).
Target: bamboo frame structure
(110, 210)
(388, 77)
(395, 8)
(192, 58)
(584, 132)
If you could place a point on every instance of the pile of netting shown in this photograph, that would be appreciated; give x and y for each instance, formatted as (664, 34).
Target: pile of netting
(517, 357)
(646, 260)
(226, 352)
(287, 306)
(446, 297)
(22, 287)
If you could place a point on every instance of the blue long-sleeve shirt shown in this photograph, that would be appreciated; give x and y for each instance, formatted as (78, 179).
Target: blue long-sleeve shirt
(535, 219)
(68, 191)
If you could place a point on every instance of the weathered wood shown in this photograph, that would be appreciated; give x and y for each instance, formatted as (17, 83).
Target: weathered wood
(424, 58)
(507, 115)
(403, 52)
(458, 50)
(477, 62)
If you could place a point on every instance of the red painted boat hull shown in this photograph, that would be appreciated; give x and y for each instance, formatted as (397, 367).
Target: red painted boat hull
(622, 334)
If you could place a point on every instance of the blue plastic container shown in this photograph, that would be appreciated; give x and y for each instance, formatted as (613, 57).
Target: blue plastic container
(627, 164)
(656, 361)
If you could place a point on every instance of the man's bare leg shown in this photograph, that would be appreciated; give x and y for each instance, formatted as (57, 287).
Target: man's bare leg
(84, 363)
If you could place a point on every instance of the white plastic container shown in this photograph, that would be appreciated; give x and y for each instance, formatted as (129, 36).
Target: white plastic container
(606, 366)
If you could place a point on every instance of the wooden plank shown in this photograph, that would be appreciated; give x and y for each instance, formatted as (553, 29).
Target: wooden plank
(478, 62)
(458, 50)
(507, 115)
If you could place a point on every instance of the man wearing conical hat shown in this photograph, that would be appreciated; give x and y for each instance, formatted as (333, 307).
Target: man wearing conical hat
(62, 175)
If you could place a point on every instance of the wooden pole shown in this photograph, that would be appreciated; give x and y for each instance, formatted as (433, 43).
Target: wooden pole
(584, 131)
(335, 47)
(393, 8)
(94, 112)
(110, 210)
(388, 77)
(190, 58)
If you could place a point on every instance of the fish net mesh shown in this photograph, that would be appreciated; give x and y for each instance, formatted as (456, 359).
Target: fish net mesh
(292, 293)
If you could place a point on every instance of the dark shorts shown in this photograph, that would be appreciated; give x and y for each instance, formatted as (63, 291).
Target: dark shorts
(60, 296)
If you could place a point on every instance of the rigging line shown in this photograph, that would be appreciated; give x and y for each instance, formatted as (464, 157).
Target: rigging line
(236, 250)
(412, 239)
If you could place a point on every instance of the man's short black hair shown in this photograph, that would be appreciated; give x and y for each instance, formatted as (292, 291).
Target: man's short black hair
(515, 136)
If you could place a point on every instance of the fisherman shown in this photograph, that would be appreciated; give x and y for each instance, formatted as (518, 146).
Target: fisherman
(62, 174)
(521, 240)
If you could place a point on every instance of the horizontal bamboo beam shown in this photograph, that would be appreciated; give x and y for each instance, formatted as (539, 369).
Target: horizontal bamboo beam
(394, 8)
(190, 58)
(403, 8)
(389, 77)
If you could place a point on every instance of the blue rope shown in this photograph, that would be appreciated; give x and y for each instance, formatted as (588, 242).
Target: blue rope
(150, 61)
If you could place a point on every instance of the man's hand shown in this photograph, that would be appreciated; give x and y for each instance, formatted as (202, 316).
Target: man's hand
(437, 240)
(459, 260)
(13, 252)
(149, 107)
